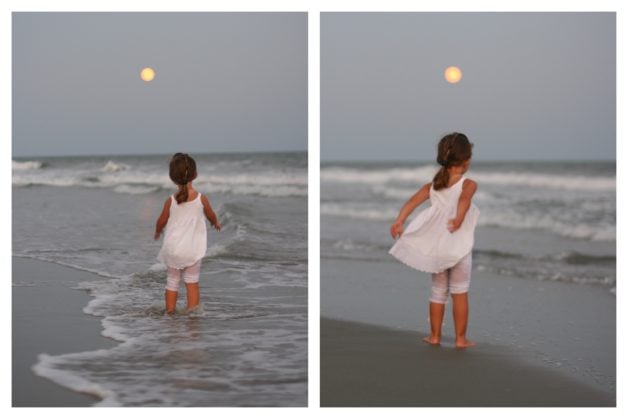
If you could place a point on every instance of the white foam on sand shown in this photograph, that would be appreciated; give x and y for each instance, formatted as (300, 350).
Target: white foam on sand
(47, 367)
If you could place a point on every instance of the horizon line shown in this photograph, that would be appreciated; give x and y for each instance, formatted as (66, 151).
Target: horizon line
(132, 154)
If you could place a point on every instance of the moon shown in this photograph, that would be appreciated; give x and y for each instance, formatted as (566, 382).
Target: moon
(147, 74)
(453, 74)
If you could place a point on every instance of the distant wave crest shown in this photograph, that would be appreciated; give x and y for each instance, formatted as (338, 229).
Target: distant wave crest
(112, 166)
(424, 174)
(27, 165)
(122, 178)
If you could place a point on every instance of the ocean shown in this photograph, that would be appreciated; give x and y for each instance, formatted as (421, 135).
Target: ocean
(566, 212)
(544, 259)
(246, 346)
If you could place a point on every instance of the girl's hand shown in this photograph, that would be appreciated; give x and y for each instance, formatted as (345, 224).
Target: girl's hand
(396, 229)
(217, 226)
(156, 237)
(453, 225)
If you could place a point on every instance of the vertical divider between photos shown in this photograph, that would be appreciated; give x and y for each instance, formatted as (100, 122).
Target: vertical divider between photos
(313, 209)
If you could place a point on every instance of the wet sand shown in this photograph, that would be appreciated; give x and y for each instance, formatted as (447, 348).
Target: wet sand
(566, 328)
(47, 317)
(365, 365)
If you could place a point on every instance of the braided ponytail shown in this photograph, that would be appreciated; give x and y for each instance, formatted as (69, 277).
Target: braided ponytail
(441, 179)
(182, 195)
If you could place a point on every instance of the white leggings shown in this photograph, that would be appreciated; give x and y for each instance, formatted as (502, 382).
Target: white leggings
(455, 280)
(190, 276)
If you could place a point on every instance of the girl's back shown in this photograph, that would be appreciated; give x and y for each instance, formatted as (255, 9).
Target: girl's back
(447, 196)
(185, 240)
(427, 244)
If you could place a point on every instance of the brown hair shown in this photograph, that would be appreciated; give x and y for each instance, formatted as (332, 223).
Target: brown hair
(182, 171)
(453, 150)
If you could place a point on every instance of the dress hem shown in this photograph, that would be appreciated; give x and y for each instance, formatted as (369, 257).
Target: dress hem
(417, 260)
(174, 265)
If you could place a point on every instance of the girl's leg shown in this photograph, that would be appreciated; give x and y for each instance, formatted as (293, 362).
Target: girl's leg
(171, 301)
(172, 287)
(461, 319)
(193, 295)
(191, 276)
(437, 313)
(460, 281)
(437, 306)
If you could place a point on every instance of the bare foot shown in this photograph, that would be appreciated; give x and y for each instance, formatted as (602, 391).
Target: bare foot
(431, 340)
(464, 343)
(193, 310)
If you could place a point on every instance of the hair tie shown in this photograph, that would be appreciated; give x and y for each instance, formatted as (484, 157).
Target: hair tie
(446, 158)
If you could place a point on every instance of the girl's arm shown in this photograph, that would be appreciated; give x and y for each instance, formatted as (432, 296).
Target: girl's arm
(417, 199)
(468, 189)
(209, 213)
(163, 219)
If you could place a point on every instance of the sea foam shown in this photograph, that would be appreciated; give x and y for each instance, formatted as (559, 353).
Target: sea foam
(26, 165)
(424, 174)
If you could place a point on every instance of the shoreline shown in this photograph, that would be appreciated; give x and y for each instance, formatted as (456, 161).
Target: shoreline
(48, 317)
(568, 329)
(363, 365)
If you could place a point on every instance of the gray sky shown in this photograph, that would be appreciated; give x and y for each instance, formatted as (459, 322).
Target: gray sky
(534, 86)
(225, 82)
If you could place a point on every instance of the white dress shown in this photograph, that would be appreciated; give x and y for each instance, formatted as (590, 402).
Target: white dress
(185, 241)
(426, 244)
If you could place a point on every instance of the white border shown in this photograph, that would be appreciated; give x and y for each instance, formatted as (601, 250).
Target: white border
(314, 7)
(314, 193)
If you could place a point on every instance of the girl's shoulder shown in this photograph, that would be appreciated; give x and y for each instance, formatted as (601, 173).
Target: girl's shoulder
(469, 185)
(427, 188)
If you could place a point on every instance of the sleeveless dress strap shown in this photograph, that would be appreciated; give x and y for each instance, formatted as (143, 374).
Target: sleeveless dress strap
(461, 181)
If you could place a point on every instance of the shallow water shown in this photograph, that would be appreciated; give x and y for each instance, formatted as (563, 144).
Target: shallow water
(547, 221)
(246, 345)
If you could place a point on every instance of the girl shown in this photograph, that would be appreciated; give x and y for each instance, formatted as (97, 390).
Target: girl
(185, 241)
(439, 240)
